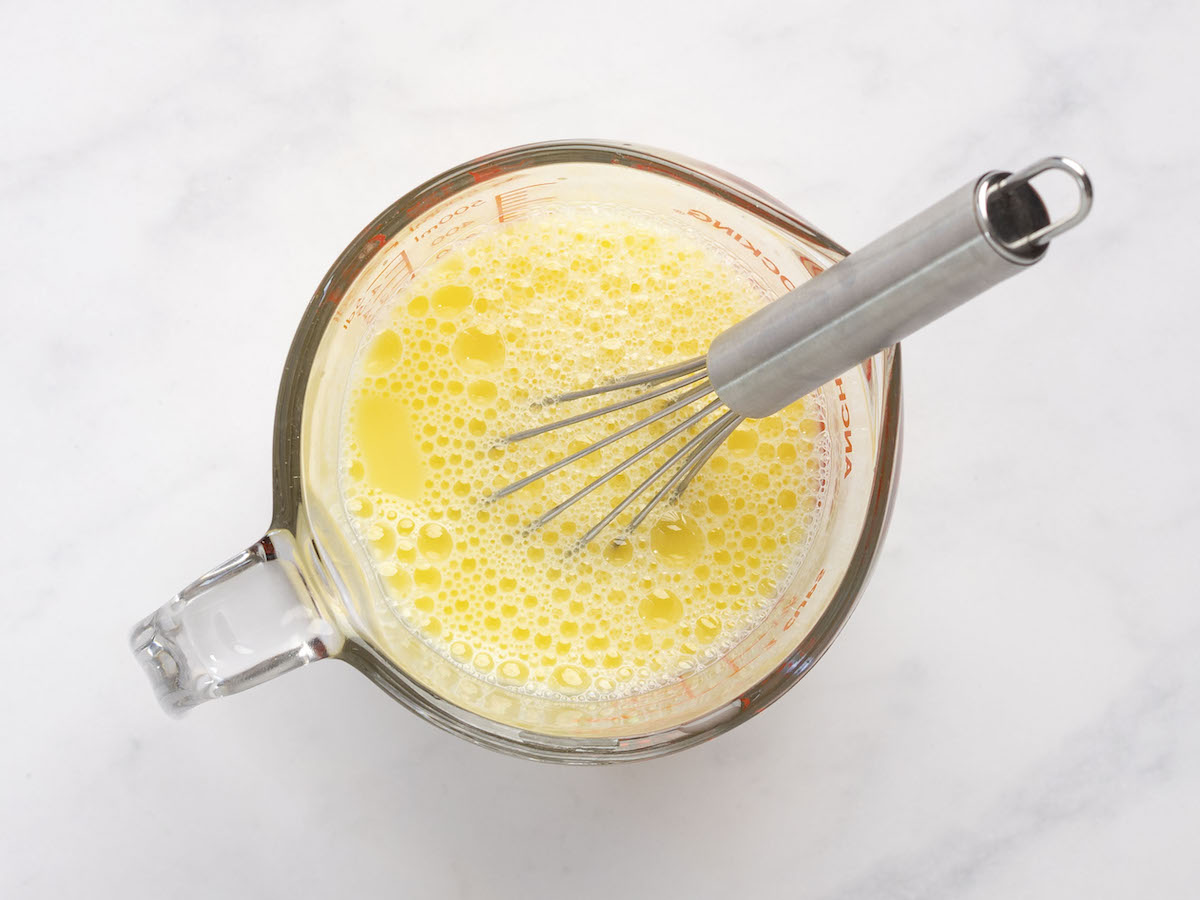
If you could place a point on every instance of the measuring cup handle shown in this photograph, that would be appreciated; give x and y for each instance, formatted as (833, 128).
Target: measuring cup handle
(248, 620)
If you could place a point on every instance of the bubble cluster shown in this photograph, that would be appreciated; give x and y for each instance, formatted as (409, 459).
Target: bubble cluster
(460, 358)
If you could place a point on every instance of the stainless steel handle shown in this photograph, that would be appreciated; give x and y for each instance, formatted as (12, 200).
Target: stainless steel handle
(976, 237)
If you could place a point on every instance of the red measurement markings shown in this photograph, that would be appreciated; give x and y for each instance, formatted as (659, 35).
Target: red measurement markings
(736, 660)
(337, 288)
(394, 273)
(430, 199)
(649, 166)
(512, 204)
(448, 218)
(487, 173)
(845, 413)
(812, 590)
(742, 241)
(792, 619)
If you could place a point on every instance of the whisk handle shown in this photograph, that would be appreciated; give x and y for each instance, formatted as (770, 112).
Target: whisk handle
(976, 237)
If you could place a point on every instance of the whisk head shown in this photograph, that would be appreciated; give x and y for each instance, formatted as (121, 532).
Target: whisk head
(681, 386)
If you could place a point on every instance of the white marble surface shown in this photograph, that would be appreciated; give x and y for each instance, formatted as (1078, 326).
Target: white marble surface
(1014, 710)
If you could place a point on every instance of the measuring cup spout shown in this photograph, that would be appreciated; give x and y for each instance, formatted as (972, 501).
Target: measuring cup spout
(248, 620)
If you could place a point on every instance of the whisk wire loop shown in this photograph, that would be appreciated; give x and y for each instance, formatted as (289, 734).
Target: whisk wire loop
(684, 458)
(688, 398)
(616, 470)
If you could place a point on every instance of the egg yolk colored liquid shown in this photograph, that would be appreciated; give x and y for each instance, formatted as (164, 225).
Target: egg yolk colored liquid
(460, 358)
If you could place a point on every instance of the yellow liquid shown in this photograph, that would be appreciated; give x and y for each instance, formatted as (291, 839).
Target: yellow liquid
(456, 361)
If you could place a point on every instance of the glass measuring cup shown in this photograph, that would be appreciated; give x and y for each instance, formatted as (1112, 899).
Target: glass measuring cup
(308, 589)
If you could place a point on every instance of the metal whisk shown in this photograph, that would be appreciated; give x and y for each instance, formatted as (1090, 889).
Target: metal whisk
(981, 234)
